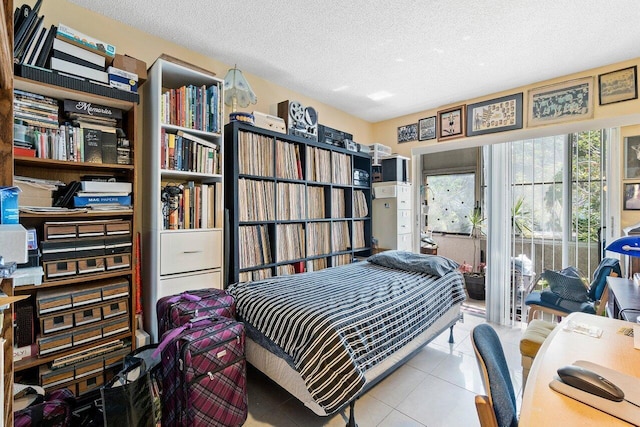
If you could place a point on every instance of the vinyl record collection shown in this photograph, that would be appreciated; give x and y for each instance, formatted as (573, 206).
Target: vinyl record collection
(255, 154)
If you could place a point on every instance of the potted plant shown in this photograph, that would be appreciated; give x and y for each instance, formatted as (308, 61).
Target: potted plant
(474, 280)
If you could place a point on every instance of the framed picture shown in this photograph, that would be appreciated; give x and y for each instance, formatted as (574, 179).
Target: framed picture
(632, 157)
(408, 133)
(632, 196)
(495, 115)
(451, 123)
(427, 128)
(561, 102)
(618, 86)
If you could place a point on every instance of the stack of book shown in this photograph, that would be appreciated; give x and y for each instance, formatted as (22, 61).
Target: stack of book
(35, 122)
(98, 137)
(103, 195)
(80, 55)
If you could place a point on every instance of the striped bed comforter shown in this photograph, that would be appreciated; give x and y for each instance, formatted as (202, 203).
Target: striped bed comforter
(338, 322)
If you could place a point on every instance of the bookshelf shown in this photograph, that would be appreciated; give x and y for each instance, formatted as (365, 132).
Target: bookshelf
(292, 204)
(111, 260)
(183, 227)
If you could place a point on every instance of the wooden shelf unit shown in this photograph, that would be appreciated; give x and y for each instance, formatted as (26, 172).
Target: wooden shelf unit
(67, 171)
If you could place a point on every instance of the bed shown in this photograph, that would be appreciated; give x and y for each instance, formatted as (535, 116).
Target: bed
(328, 336)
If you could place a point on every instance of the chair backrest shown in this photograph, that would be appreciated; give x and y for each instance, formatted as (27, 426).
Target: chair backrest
(607, 267)
(495, 375)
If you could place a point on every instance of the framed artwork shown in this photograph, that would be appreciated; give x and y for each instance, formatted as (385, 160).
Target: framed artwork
(408, 133)
(427, 128)
(451, 123)
(618, 86)
(561, 102)
(632, 196)
(495, 115)
(632, 157)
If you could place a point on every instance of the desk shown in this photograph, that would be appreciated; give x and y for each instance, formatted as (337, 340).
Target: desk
(624, 299)
(542, 406)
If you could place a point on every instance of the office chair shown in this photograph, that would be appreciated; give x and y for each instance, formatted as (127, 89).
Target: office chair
(498, 407)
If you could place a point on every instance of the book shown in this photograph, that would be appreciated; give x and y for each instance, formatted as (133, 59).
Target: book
(33, 54)
(33, 42)
(92, 145)
(43, 57)
(84, 41)
(102, 193)
(74, 60)
(78, 70)
(109, 148)
(85, 55)
(81, 202)
(102, 186)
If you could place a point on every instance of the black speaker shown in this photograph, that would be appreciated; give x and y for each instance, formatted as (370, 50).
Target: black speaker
(395, 169)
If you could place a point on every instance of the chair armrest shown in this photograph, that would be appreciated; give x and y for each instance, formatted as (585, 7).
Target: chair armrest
(485, 412)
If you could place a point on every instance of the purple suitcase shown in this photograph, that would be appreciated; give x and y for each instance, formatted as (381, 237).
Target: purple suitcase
(175, 310)
(204, 377)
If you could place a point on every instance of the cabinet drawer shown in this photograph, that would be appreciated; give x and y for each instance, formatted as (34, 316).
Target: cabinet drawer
(56, 323)
(115, 308)
(90, 265)
(58, 269)
(404, 221)
(176, 285)
(404, 242)
(87, 384)
(404, 196)
(115, 262)
(89, 315)
(190, 251)
(92, 229)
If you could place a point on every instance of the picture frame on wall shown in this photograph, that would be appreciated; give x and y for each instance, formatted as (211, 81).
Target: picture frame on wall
(451, 123)
(631, 148)
(561, 102)
(631, 196)
(495, 115)
(617, 86)
(427, 128)
(408, 133)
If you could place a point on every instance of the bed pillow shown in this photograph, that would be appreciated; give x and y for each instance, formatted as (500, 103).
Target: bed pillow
(567, 284)
(434, 265)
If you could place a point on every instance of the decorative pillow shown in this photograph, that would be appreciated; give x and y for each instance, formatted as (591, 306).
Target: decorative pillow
(567, 284)
(434, 265)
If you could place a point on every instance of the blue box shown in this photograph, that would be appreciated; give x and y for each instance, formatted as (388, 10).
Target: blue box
(123, 83)
(9, 211)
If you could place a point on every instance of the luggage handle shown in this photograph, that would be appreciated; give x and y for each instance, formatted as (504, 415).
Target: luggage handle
(185, 295)
(175, 332)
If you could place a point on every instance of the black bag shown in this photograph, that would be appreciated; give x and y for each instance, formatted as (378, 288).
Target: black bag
(131, 398)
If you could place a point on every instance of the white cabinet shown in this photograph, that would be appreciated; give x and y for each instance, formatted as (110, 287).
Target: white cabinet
(182, 225)
(392, 218)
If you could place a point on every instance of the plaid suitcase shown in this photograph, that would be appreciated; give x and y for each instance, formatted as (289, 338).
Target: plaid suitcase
(175, 310)
(204, 375)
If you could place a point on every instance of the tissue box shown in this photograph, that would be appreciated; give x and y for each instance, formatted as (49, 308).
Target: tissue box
(9, 211)
(13, 243)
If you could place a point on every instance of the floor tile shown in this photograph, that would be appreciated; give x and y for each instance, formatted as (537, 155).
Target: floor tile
(398, 419)
(461, 369)
(436, 402)
(427, 359)
(397, 386)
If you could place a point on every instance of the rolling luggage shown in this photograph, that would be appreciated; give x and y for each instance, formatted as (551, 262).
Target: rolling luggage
(204, 377)
(176, 310)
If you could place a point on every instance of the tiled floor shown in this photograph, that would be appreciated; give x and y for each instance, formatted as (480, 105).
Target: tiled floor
(435, 388)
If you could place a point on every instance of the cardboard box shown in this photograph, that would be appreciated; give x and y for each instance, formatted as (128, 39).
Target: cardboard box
(9, 212)
(35, 194)
(132, 65)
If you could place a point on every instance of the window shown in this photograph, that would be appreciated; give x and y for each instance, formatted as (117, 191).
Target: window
(450, 198)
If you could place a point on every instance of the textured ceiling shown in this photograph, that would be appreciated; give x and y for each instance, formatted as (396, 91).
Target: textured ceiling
(424, 54)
